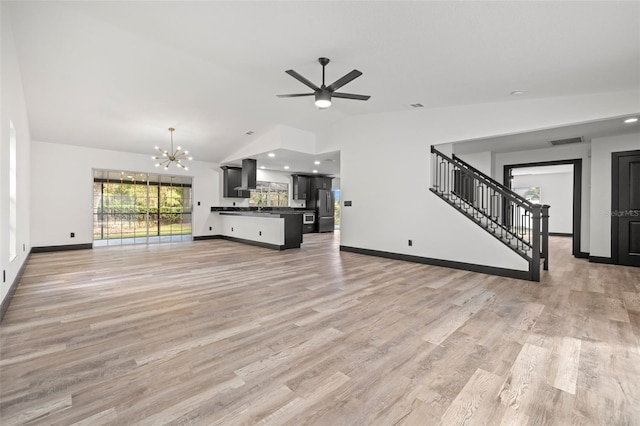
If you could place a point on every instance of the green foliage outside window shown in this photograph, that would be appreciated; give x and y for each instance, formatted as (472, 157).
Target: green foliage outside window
(132, 209)
(270, 194)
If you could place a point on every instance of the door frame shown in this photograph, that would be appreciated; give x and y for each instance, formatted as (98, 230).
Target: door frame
(577, 195)
(615, 188)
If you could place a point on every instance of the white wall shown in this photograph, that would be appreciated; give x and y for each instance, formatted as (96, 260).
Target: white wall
(482, 161)
(601, 150)
(279, 137)
(556, 190)
(62, 190)
(13, 110)
(385, 172)
(566, 152)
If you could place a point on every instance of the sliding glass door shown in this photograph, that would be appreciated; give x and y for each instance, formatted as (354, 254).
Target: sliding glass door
(140, 208)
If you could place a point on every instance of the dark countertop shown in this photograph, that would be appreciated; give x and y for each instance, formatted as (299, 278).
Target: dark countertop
(254, 213)
(273, 210)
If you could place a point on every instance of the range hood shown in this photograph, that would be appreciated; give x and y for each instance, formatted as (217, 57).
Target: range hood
(249, 171)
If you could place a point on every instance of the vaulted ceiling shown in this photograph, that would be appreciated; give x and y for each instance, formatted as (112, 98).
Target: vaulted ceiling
(116, 75)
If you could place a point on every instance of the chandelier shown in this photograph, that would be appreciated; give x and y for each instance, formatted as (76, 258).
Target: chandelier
(172, 156)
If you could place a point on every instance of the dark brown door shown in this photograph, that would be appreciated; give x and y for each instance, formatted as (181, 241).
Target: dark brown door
(627, 211)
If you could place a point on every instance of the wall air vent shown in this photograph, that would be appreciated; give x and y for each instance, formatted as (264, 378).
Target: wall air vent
(416, 105)
(567, 141)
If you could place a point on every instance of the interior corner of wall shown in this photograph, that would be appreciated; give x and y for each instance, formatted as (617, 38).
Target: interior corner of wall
(445, 148)
(270, 140)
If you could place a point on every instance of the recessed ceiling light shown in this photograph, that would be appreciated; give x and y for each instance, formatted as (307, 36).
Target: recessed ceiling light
(286, 167)
(517, 93)
(262, 167)
(631, 120)
(315, 171)
(271, 154)
(316, 162)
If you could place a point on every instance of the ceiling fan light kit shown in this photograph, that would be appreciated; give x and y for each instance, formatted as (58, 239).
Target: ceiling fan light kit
(324, 93)
(172, 156)
(323, 99)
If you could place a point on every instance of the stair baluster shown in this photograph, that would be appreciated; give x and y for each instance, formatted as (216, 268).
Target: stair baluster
(512, 219)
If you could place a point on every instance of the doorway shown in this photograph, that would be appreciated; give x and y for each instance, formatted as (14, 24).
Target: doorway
(140, 208)
(576, 197)
(625, 208)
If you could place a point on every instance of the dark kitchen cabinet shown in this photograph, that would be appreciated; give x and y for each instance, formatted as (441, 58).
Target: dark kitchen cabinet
(232, 179)
(301, 187)
(322, 182)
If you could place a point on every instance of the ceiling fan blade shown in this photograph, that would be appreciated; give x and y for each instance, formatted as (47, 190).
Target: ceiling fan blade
(344, 80)
(350, 96)
(295, 95)
(301, 79)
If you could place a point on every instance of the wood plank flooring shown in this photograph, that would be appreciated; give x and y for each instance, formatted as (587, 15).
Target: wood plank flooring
(220, 333)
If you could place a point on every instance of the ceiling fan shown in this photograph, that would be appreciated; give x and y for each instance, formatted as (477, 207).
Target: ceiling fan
(324, 93)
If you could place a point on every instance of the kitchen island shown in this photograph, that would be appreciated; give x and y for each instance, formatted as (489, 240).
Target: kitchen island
(277, 230)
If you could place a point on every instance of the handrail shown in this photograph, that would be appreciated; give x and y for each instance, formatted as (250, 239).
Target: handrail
(503, 190)
(495, 182)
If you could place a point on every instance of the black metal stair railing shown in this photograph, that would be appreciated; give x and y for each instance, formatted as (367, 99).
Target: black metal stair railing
(519, 224)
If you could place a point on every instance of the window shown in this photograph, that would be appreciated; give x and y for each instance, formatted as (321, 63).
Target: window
(270, 194)
(135, 208)
(531, 193)
(13, 193)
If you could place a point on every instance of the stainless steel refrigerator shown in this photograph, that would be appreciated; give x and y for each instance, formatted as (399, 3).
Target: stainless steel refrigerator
(324, 210)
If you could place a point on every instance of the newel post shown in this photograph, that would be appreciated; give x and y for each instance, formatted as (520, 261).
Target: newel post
(536, 214)
(545, 235)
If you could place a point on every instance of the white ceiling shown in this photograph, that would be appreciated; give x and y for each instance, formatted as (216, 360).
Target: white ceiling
(289, 161)
(542, 138)
(116, 75)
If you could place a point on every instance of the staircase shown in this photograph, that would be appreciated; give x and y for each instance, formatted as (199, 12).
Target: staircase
(516, 222)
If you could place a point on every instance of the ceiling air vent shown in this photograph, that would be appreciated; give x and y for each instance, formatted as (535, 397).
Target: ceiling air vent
(416, 105)
(567, 141)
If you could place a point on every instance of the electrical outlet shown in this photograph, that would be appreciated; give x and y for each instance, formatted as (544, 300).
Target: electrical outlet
(198, 202)
(410, 243)
(232, 229)
(210, 228)
(73, 235)
(259, 232)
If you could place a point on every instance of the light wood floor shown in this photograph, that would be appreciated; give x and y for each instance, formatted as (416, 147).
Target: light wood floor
(216, 332)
